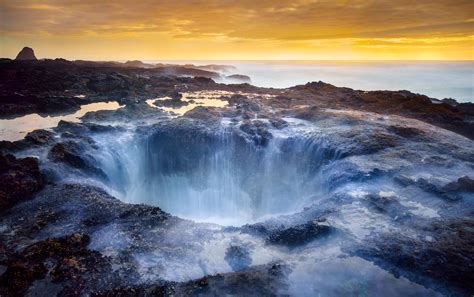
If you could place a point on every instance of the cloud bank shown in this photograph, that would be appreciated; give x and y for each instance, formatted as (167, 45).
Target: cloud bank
(247, 29)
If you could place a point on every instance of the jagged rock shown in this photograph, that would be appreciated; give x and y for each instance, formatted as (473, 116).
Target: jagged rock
(26, 53)
(74, 154)
(279, 123)
(40, 137)
(262, 280)
(19, 180)
(175, 103)
(451, 192)
(463, 184)
(257, 131)
(244, 104)
(203, 113)
(238, 257)
(300, 234)
(68, 259)
(448, 256)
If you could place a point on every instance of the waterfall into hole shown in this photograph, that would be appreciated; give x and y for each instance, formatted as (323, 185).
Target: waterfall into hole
(217, 176)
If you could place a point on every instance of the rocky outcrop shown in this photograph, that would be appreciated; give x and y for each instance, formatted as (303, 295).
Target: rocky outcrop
(448, 257)
(322, 173)
(301, 234)
(452, 191)
(257, 131)
(76, 155)
(26, 53)
(20, 179)
(64, 259)
(175, 103)
(238, 257)
(52, 86)
(137, 64)
(239, 78)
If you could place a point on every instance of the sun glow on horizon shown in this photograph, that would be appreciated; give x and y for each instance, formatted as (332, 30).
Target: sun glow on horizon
(239, 30)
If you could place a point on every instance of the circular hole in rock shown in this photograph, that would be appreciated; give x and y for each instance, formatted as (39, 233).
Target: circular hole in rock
(225, 177)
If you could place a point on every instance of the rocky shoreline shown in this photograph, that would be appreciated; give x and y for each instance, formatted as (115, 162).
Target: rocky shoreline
(63, 233)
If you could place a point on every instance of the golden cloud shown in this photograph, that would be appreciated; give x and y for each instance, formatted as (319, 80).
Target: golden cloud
(285, 25)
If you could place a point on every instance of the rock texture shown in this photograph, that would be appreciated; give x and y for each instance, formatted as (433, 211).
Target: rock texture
(19, 180)
(385, 178)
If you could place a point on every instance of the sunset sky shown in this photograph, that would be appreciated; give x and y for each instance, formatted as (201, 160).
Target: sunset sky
(239, 30)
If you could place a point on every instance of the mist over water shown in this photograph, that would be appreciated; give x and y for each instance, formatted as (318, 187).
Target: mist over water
(436, 79)
(218, 177)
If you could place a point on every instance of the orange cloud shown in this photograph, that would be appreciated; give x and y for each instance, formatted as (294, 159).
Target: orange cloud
(199, 29)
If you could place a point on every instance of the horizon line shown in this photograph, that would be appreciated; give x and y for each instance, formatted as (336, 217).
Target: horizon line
(260, 60)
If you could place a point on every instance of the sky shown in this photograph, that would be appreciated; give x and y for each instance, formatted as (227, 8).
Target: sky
(239, 30)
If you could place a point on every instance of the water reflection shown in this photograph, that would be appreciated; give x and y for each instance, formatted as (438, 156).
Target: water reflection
(17, 128)
(195, 99)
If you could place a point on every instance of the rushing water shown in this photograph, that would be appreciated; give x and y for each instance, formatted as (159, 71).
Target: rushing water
(17, 128)
(219, 176)
(437, 79)
(214, 173)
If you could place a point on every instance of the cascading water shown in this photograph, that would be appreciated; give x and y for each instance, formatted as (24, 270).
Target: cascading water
(217, 175)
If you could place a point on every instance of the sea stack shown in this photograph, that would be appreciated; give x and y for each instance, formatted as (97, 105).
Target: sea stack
(26, 53)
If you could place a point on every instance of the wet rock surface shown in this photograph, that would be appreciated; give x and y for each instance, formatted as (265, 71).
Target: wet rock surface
(447, 255)
(238, 257)
(49, 87)
(375, 187)
(64, 259)
(300, 234)
(171, 103)
(20, 179)
(74, 155)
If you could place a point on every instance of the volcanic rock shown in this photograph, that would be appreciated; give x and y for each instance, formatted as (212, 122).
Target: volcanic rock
(257, 131)
(448, 257)
(19, 180)
(74, 154)
(26, 53)
(68, 259)
(40, 137)
(238, 257)
(174, 103)
(300, 234)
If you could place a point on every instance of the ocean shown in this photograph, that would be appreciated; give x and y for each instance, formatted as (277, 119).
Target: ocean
(436, 79)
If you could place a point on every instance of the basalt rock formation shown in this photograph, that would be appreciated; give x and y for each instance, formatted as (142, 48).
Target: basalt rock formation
(19, 180)
(309, 190)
